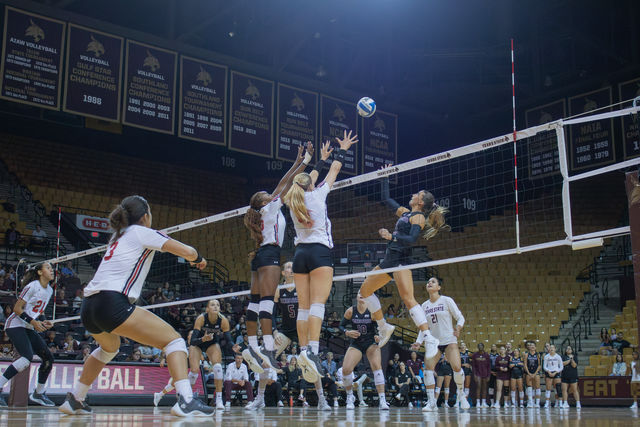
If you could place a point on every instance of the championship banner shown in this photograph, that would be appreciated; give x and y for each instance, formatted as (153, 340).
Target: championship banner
(93, 74)
(251, 115)
(591, 144)
(31, 69)
(543, 147)
(336, 116)
(121, 379)
(297, 121)
(379, 141)
(203, 101)
(605, 391)
(150, 81)
(630, 134)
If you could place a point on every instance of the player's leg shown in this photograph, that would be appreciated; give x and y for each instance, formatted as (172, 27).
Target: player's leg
(268, 278)
(368, 288)
(351, 359)
(374, 355)
(195, 356)
(452, 352)
(253, 310)
(499, 384)
(215, 358)
(573, 388)
(22, 345)
(46, 364)
(430, 383)
(548, 388)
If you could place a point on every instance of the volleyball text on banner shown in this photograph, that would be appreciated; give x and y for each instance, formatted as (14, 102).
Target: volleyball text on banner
(297, 120)
(93, 74)
(630, 133)
(251, 115)
(203, 101)
(543, 147)
(591, 144)
(31, 70)
(150, 81)
(336, 116)
(379, 141)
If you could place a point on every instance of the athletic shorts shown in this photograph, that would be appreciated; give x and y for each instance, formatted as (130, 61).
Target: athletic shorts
(492, 381)
(363, 346)
(467, 371)
(266, 255)
(292, 334)
(444, 370)
(558, 375)
(205, 345)
(443, 347)
(309, 256)
(105, 311)
(516, 373)
(394, 258)
(503, 376)
(570, 380)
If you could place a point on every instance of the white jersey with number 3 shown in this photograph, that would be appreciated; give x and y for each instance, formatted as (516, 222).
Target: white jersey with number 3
(440, 316)
(273, 223)
(36, 298)
(126, 264)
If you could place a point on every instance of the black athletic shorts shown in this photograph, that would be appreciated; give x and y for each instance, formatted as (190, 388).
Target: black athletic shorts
(467, 371)
(205, 345)
(570, 380)
(309, 256)
(492, 381)
(363, 346)
(292, 334)
(105, 311)
(395, 257)
(444, 370)
(516, 373)
(266, 255)
(442, 348)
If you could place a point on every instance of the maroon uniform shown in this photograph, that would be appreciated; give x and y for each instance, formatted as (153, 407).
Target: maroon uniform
(503, 362)
(481, 364)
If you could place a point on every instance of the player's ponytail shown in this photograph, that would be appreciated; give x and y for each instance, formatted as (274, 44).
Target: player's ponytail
(436, 221)
(294, 198)
(128, 212)
(31, 274)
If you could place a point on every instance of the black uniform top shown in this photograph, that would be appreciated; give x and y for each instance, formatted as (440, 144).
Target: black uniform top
(465, 358)
(518, 365)
(568, 371)
(214, 328)
(363, 323)
(533, 361)
(288, 306)
(403, 228)
(493, 357)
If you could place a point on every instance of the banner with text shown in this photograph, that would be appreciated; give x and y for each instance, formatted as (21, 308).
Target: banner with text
(379, 141)
(31, 69)
(93, 223)
(543, 147)
(150, 81)
(630, 133)
(93, 73)
(203, 101)
(297, 121)
(251, 115)
(336, 116)
(605, 391)
(591, 144)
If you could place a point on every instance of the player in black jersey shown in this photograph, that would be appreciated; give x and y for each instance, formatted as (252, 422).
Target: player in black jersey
(363, 341)
(465, 359)
(532, 368)
(517, 371)
(423, 212)
(287, 302)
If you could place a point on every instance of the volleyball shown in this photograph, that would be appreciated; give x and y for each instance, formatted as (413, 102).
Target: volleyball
(366, 107)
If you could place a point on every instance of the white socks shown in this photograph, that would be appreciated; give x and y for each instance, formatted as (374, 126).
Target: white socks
(193, 377)
(183, 388)
(81, 390)
(253, 342)
(40, 388)
(315, 346)
(268, 342)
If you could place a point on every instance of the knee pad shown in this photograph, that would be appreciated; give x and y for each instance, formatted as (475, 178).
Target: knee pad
(490, 391)
(21, 364)
(176, 345)
(266, 307)
(47, 363)
(103, 356)
(217, 371)
(254, 308)
(317, 310)
(417, 315)
(428, 378)
(303, 315)
(559, 389)
(458, 377)
(373, 303)
(378, 377)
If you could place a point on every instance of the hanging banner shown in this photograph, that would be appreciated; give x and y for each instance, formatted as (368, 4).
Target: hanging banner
(379, 141)
(150, 81)
(297, 121)
(203, 101)
(93, 74)
(31, 69)
(543, 147)
(336, 116)
(630, 134)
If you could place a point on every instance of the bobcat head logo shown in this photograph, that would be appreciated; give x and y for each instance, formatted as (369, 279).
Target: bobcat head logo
(34, 31)
(204, 77)
(96, 47)
(379, 125)
(545, 117)
(151, 62)
(338, 113)
(252, 91)
(589, 105)
(297, 102)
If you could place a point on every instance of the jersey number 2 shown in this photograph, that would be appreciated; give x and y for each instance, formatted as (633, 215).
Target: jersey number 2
(36, 308)
(434, 318)
(109, 254)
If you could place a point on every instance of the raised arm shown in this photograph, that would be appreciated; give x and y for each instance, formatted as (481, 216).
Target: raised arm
(290, 173)
(325, 152)
(304, 157)
(345, 142)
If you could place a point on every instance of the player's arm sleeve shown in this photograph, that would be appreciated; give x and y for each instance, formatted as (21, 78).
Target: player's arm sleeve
(196, 337)
(455, 312)
(385, 195)
(343, 324)
(414, 234)
(150, 238)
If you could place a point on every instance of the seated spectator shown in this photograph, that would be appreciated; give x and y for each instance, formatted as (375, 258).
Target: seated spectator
(329, 365)
(402, 381)
(136, 356)
(12, 237)
(402, 312)
(85, 353)
(3, 318)
(149, 354)
(6, 347)
(68, 270)
(294, 379)
(619, 368)
(333, 324)
(620, 343)
(167, 292)
(273, 390)
(605, 339)
(77, 301)
(52, 341)
(283, 363)
(61, 301)
(414, 365)
(38, 240)
(158, 297)
(237, 378)
(613, 334)
(391, 312)
(70, 344)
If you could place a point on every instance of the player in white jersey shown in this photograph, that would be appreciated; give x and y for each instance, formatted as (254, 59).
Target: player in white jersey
(265, 221)
(108, 313)
(23, 327)
(312, 262)
(552, 366)
(441, 312)
(635, 379)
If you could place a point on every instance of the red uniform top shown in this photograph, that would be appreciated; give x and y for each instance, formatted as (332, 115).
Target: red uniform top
(501, 363)
(481, 364)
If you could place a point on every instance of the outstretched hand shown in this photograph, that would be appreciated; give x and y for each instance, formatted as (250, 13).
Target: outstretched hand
(326, 150)
(347, 140)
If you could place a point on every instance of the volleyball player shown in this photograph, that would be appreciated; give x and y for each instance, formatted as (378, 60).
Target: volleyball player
(357, 385)
(363, 341)
(570, 377)
(493, 354)
(502, 376)
(265, 221)
(552, 365)
(532, 368)
(465, 358)
(443, 379)
(312, 262)
(517, 371)
(108, 313)
(423, 212)
(23, 327)
(441, 311)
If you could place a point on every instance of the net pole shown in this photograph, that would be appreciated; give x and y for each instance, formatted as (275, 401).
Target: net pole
(515, 151)
(55, 284)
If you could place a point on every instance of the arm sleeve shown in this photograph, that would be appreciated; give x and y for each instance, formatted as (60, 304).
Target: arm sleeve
(414, 233)
(151, 239)
(196, 337)
(385, 195)
(455, 312)
(343, 325)
(229, 340)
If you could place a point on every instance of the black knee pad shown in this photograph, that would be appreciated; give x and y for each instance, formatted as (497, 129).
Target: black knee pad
(559, 389)
(45, 367)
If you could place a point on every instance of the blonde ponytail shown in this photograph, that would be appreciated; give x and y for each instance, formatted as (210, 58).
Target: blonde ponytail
(294, 198)
(436, 222)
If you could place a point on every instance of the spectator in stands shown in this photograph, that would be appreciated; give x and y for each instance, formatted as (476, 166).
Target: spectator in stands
(70, 344)
(283, 363)
(333, 324)
(68, 270)
(237, 378)
(481, 368)
(51, 341)
(402, 380)
(329, 365)
(613, 334)
(294, 378)
(402, 311)
(620, 343)
(7, 311)
(61, 301)
(86, 352)
(635, 379)
(414, 364)
(38, 240)
(391, 312)
(6, 347)
(158, 297)
(273, 390)
(3, 285)
(328, 381)
(148, 354)
(3, 318)
(12, 238)
(619, 368)
(392, 370)
(77, 301)
(605, 339)
(136, 356)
